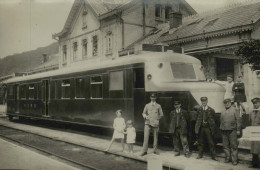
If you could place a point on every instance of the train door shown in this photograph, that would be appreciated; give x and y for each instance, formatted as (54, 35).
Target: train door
(16, 98)
(45, 97)
(139, 96)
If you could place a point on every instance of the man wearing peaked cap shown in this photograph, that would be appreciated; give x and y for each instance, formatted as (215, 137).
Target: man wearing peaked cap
(205, 127)
(152, 114)
(255, 121)
(178, 128)
(203, 99)
(230, 126)
(256, 99)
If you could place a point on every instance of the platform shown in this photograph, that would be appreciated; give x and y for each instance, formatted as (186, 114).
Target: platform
(166, 157)
(16, 157)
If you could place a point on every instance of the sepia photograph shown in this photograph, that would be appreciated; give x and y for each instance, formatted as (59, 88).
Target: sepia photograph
(130, 84)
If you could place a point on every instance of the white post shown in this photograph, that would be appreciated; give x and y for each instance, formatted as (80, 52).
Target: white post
(154, 163)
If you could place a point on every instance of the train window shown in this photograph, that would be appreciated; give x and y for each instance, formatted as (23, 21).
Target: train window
(57, 89)
(96, 87)
(10, 92)
(65, 89)
(139, 78)
(80, 88)
(183, 71)
(23, 92)
(31, 91)
(116, 80)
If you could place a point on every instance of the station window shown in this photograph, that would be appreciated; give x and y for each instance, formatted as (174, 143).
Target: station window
(84, 48)
(116, 80)
(96, 87)
(168, 10)
(80, 88)
(65, 89)
(95, 45)
(64, 54)
(75, 48)
(31, 91)
(158, 11)
(109, 43)
(139, 78)
(84, 18)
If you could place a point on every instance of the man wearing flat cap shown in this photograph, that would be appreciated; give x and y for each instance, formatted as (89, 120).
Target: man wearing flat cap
(230, 126)
(178, 127)
(152, 114)
(205, 127)
(255, 121)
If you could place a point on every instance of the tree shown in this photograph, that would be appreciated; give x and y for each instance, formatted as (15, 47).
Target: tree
(249, 53)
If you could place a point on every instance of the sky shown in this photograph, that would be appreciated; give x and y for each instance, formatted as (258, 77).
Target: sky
(28, 24)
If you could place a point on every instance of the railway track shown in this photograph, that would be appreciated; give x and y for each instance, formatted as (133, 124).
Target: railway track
(76, 154)
(73, 154)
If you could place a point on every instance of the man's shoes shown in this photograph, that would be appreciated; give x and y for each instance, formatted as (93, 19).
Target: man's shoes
(199, 157)
(156, 152)
(214, 158)
(227, 161)
(234, 163)
(177, 154)
(253, 166)
(143, 153)
(187, 155)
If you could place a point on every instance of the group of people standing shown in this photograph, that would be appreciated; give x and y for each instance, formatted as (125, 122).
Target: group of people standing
(205, 128)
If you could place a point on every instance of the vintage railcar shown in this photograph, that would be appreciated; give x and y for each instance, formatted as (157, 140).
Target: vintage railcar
(91, 92)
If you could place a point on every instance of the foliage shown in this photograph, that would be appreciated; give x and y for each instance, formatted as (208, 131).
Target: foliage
(25, 61)
(249, 53)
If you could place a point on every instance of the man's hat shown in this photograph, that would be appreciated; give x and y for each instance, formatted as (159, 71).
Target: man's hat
(203, 99)
(229, 75)
(176, 102)
(153, 95)
(255, 99)
(226, 100)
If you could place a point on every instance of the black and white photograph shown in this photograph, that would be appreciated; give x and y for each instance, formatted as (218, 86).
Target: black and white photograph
(130, 84)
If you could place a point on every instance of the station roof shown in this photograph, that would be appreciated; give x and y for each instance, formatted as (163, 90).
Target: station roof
(104, 8)
(236, 18)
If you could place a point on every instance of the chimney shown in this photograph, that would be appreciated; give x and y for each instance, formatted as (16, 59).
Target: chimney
(45, 58)
(175, 19)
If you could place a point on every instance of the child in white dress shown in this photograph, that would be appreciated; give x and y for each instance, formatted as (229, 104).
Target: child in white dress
(119, 126)
(131, 135)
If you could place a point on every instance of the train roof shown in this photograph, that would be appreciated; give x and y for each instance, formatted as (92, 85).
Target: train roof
(88, 65)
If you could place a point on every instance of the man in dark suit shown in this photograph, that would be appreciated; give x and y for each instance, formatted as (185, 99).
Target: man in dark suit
(255, 121)
(178, 127)
(152, 114)
(205, 127)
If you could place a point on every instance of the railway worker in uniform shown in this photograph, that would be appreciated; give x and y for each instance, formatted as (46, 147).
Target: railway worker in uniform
(230, 126)
(255, 121)
(152, 114)
(205, 127)
(178, 127)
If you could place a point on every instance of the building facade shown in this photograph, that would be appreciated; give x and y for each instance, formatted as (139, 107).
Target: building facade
(214, 36)
(99, 30)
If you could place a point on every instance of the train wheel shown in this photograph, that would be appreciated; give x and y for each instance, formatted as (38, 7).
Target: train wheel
(21, 118)
(10, 117)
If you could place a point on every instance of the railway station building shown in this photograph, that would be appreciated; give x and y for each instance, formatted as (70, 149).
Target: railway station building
(101, 30)
(214, 36)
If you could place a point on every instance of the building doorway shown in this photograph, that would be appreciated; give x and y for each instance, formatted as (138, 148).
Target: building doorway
(224, 67)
